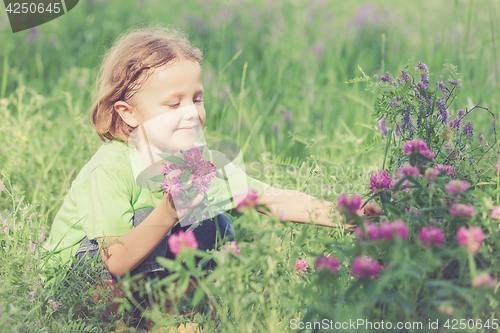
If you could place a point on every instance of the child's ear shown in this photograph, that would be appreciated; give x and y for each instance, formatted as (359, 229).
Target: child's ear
(126, 113)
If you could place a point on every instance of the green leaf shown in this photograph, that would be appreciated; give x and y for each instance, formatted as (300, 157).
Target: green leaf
(199, 294)
(173, 159)
(197, 213)
(414, 181)
(423, 158)
(182, 285)
(185, 176)
(385, 197)
(397, 186)
(369, 199)
(413, 159)
(157, 179)
(171, 265)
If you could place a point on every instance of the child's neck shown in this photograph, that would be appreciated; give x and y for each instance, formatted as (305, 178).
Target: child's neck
(150, 158)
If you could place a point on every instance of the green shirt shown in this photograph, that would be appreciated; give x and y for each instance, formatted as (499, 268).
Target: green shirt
(103, 197)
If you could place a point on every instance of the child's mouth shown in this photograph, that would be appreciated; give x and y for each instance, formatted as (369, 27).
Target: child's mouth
(186, 129)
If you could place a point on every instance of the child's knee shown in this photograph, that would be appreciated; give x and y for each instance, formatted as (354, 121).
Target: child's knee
(226, 227)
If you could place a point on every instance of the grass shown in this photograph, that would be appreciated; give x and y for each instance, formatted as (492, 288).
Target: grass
(258, 61)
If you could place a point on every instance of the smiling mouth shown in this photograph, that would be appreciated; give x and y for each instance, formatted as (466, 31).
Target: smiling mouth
(185, 128)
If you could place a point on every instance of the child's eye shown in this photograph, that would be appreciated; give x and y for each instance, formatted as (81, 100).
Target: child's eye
(174, 105)
(199, 100)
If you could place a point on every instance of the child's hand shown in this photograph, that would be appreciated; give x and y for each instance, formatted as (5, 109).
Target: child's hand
(371, 209)
(180, 208)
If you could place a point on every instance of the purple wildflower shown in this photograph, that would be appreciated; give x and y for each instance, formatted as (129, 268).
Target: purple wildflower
(364, 267)
(386, 78)
(484, 279)
(201, 185)
(468, 130)
(396, 228)
(394, 102)
(397, 129)
(456, 187)
(417, 146)
(481, 140)
(457, 122)
(53, 305)
(424, 77)
(34, 32)
(431, 236)
(471, 238)
(194, 156)
(461, 210)
(275, 127)
(381, 123)
(34, 291)
(349, 205)
(447, 168)
(32, 247)
(205, 170)
(331, 263)
(407, 171)
(380, 180)
(318, 50)
(455, 83)
(5, 226)
(430, 174)
(287, 115)
(422, 86)
(301, 265)
(372, 231)
(172, 186)
(405, 77)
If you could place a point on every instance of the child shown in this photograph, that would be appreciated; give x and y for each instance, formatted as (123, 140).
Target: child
(150, 83)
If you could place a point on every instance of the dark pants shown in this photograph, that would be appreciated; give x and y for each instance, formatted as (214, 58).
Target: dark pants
(205, 233)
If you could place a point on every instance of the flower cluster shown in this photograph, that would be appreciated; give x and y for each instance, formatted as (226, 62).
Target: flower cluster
(5, 226)
(393, 229)
(461, 210)
(431, 236)
(246, 200)
(301, 265)
(365, 267)
(371, 230)
(232, 247)
(182, 240)
(470, 238)
(380, 180)
(203, 172)
(417, 146)
(484, 279)
(347, 205)
(456, 187)
(34, 291)
(53, 305)
(329, 263)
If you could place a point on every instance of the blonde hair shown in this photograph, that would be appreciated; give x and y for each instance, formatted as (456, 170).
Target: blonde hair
(126, 66)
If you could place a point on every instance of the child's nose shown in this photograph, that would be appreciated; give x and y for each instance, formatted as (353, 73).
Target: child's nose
(190, 112)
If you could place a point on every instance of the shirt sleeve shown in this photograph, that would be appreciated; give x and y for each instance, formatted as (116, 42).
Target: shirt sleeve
(104, 203)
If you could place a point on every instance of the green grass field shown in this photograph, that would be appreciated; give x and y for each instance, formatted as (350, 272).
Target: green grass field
(260, 59)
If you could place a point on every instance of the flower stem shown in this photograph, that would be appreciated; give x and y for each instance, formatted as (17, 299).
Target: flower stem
(472, 265)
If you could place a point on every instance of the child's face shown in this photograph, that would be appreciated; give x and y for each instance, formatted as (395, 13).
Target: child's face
(170, 105)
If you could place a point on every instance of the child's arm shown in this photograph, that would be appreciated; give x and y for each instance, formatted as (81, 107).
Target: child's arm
(124, 253)
(303, 208)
